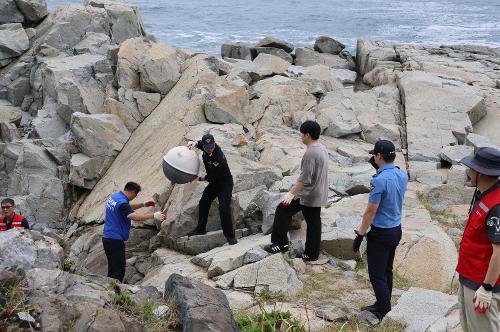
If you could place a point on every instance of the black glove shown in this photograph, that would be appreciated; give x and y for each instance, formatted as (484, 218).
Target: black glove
(357, 242)
(373, 163)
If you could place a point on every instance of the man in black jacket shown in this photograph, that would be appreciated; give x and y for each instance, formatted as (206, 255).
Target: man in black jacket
(220, 185)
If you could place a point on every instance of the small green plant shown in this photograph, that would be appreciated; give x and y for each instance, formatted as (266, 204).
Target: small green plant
(15, 299)
(71, 267)
(113, 283)
(274, 321)
(124, 302)
(269, 321)
(146, 311)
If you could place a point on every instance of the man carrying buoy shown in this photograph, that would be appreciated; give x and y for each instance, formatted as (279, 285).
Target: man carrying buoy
(119, 213)
(220, 185)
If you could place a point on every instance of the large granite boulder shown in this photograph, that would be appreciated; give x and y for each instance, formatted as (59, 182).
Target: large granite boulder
(33, 10)
(325, 44)
(229, 103)
(276, 43)
(13, 42)
(32, 250)
(200, 307)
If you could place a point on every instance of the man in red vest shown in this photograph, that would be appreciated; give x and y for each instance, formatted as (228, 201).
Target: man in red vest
(479, 257)
(10, 219)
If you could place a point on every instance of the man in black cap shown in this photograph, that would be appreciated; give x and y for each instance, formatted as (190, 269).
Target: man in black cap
(479, 256)
(382, 224)
(220, 185)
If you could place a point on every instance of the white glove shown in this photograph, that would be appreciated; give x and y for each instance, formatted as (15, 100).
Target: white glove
(482, 300)
(159, 216)
(191, 144)
(288, 199)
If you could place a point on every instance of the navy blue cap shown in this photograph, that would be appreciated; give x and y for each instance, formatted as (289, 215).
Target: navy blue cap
(486, 161)
(383, 147)
(208, 141)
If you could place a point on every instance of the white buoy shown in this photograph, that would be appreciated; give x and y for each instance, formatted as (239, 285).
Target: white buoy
(181, 165)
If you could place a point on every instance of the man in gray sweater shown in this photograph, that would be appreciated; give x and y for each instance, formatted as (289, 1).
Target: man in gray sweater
(308, 194)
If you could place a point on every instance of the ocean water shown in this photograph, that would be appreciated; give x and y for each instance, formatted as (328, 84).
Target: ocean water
(203, 25)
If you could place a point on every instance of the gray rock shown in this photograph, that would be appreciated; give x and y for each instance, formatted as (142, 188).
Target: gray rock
(338, 243)
(33, 10)
(229, 103)
(9, 13)
(10, 113)
(37, 250)
(94, 43)
(197, 244)
(325, 44)
(367, 317)
(267, 203)
(457, 174)
(345, 76)
(448, 121)
(237, 51)
(76, 90)
(330, 312)
(19, 90)
(274, 51)
(8, 132)
(200, 307)
(85, 171)
(221, 260)
(24, 316)
(346, 265)
(276, 43)
(307, 57)
(254, 255)
(99, 135)
(270, 65)
(425, 172)
(48, 124)
(419, 308)
(477, 141)
(125, 22)
(453, 154)
(159, 70)
(13, 40)
(338, 121)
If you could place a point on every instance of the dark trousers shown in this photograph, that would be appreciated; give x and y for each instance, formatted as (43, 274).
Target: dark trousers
(381, 248)
(115, 253)
(223, 192)
(283, 218)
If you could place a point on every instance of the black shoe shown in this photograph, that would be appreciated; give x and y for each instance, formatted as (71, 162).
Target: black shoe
(307, 258)
(232, 241)
(276, 248)
(196, 231)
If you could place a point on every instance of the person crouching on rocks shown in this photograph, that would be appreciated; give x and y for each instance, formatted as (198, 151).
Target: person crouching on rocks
(308, 194)
(119, 213)
(479, 255)
(220, 185)
(10, 219)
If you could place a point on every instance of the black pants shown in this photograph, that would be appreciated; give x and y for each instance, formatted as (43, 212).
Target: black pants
(223, 192)
(115, 253)
(283, 218)
(381, 248)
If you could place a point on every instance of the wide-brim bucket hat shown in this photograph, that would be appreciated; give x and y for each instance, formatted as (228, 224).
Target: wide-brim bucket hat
(486, 161)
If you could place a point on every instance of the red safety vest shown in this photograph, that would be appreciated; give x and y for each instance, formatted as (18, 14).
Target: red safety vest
(17, 221)
(475, 247)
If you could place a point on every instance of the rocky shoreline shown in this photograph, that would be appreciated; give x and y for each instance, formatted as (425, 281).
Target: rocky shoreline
(89, 101)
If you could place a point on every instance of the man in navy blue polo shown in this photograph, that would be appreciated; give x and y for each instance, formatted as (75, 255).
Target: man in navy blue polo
(382, 224)
(119, 213)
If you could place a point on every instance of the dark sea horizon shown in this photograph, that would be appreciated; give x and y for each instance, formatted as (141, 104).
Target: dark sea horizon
(204, 25)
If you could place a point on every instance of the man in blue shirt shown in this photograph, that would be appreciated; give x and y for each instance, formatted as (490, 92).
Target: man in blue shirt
(119, 213)
(382, 224)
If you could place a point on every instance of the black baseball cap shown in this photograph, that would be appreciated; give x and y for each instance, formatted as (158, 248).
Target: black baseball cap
(486, 161)
(208, 141)
(383, 147)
